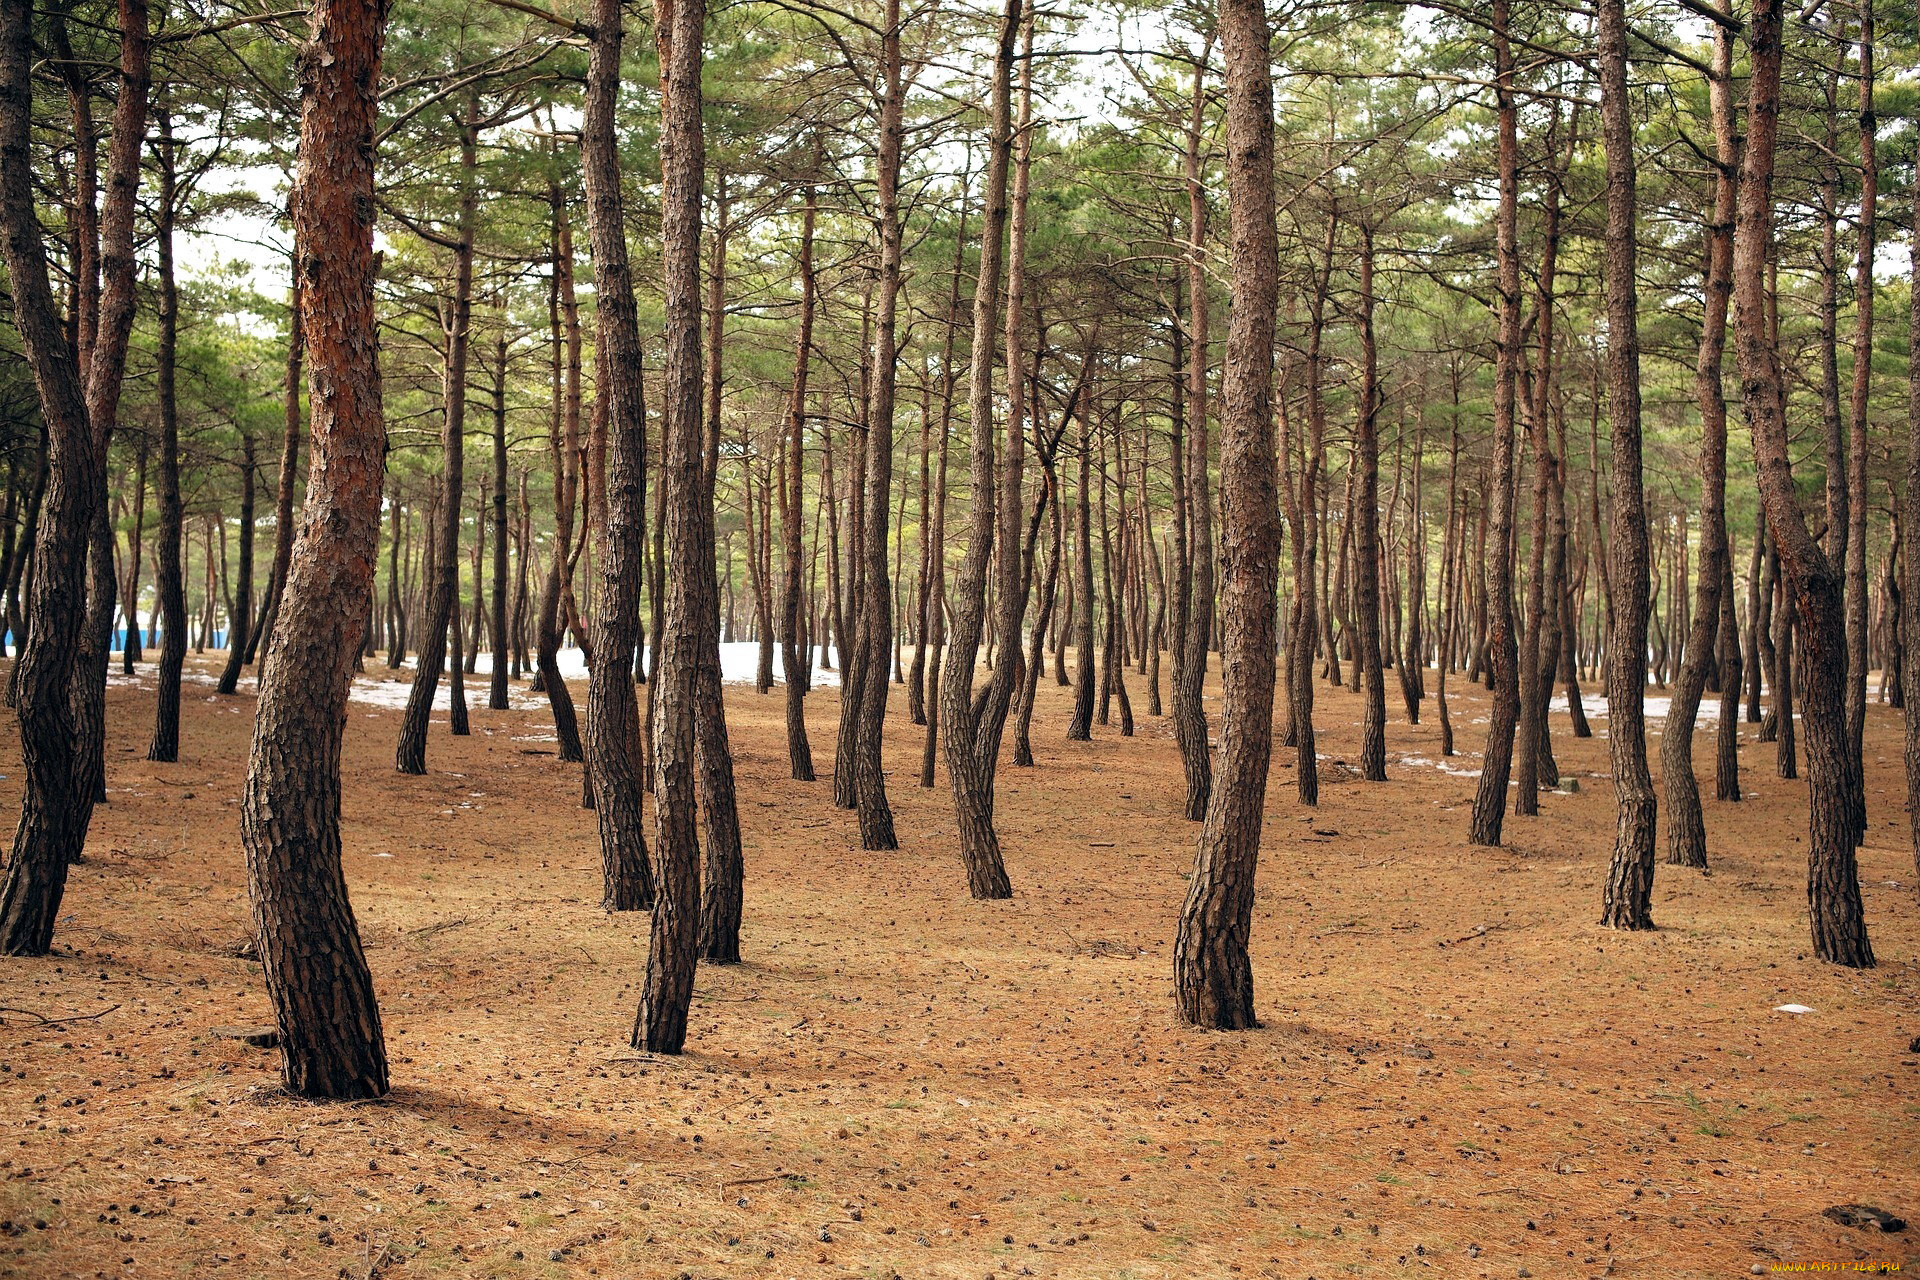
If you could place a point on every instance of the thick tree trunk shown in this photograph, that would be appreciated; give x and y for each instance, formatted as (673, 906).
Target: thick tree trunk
(1629, 890)
(290, 809)
(673, 941)
(1833, 884)
(970, 776)
(614, 758)
(58, 798)
(1213, 977)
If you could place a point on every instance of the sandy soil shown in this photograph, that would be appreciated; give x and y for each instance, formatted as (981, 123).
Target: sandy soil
(1460, 1073)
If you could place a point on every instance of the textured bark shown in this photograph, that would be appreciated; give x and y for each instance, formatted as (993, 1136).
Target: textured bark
(971, 777)
(720, 901)
(169, 583)
(1686, 828)
(1190, 666)
(876, 617)
(502, 637)
(130, 588)
(1213, 977)
(1541, 648)
(1627, 903)
(1014, 564)
(563, 446)
(309, 944)
(103, 368)
(799, 750)
(1910, 564)
(673, 940)
(1080, 727)
(240, 615)
(614, 758)
(1855, 592)
(1490, 799)
(1833, 885)
(57, 800)
(444, 587)
(295, 421)
(1366, 534)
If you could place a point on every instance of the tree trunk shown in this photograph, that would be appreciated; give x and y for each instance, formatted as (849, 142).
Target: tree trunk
(1686, 828)
(673, 941)
(614, 759)
(1833, 884)
(799, 751)
(1629, 890)
(1855, 592)
(58, 798)
(444, 586)
(240, 616)
(170, 584)
(1490, 798)
(563, 442)
(1366, 533)
(970, 776)
(290, 809)
(1213, 978)
(1190, 674)
(876, 816)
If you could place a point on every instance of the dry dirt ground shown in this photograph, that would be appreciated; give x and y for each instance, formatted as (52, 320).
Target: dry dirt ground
(1459, 1074)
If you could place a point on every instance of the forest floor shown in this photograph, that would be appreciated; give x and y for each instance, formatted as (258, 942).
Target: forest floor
(1460, 1073)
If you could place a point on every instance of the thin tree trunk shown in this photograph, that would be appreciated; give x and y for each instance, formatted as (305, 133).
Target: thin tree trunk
(799, 751)
(442, 589)
(1189, 713)
(1686, 828)
(170, 584)
(875, 815)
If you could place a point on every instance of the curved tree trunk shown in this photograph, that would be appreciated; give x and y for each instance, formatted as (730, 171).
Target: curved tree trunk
(614, 759)
(58, 798)
(290, 810)
(970, 776)
(1833, 884)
